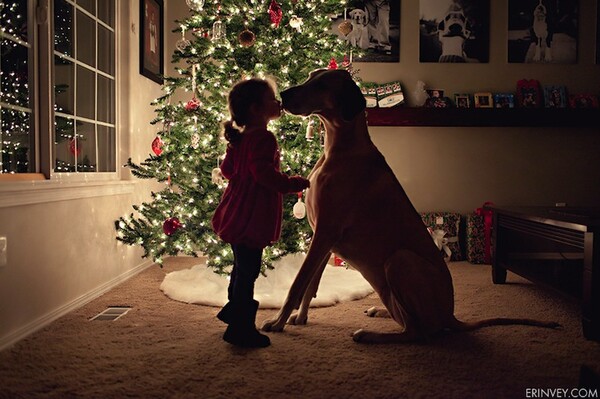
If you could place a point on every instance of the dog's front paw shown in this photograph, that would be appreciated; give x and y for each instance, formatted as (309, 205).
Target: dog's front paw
(359, 335)
(298, 319)
(272, 325)
(377, 312)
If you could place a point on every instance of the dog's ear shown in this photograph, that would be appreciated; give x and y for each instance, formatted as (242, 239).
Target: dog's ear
(442, 25)
(351, 99)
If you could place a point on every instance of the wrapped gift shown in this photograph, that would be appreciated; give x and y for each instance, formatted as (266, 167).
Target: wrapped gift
(479, 235)
(444, 228)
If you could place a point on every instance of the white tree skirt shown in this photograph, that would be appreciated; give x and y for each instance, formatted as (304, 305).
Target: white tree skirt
(200, 285)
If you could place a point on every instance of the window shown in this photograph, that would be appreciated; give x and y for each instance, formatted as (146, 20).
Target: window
(75, 57)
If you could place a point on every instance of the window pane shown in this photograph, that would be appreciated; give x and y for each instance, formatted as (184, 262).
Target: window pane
(86, 93)
(64, 86)
(13, 18)
(89, 5)
(86, 39)
(106, 99)
(85, 147)
(106, 50)
(14, 75)
(106, 149)
(15, 142)
(106, 12)
(63, 27)
(64, 145)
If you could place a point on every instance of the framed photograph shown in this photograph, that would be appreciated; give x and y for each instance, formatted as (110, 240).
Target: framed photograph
(583, 101)
(454, 31)
(598, 34)
(373, 28)
(555, 97)
(433, 93)
(462, 101)
(543, 31)
(151, 40)
(504, 100)
(529, 93)
(483, 100)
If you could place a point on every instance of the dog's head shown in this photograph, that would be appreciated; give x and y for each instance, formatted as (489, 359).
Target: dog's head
(539, 12)
(358, 17)
(454, 22)
(326, 92)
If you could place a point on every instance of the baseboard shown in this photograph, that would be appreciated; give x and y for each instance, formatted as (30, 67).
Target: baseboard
(48, 318)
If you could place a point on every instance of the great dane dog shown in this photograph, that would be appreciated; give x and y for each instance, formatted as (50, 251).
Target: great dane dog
(359, 211)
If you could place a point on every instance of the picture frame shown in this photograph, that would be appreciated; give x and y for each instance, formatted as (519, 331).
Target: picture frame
(483, 100)
(455, 32)
(537, 42)
(462, 101)
(555, 97)
(152, 39)
(529, 93)
(583, 101)
(504, 100)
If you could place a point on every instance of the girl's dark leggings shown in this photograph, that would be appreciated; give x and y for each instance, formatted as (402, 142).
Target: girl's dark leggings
(245, 271)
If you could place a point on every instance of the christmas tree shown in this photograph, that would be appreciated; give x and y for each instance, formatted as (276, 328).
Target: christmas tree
(232, 40)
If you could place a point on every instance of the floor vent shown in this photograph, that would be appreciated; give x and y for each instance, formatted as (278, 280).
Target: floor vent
(112, 313)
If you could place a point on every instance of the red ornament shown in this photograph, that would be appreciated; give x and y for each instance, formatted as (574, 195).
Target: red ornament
(74, 146)
(171, 225)
(157, 145)
(275, 13)
(193, 104)
(332, 64)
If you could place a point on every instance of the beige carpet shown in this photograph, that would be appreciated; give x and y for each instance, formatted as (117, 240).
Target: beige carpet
(168, 349)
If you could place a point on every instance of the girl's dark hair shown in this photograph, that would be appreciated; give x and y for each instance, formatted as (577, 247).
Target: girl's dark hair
(241, 97)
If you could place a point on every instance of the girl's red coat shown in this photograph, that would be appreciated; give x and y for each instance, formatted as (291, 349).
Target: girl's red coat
(251, 208)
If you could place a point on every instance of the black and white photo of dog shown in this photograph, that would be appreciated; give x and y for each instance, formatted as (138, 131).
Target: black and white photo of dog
(359, 36)
(543, 31)
(454, 31)
(375, 29)
(541, 34)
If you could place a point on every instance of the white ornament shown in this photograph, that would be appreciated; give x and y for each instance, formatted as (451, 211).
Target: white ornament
(218, 31)
(182, 44)
(217, 176)
(296, 23)
(310, 131)
(195, 142)
(299, 210)
(195, 5)
(420, 93)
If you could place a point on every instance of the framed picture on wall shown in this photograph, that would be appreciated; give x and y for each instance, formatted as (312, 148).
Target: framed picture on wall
(373, 27)
(598, 33)
(151, 40)
(454, 31)
(543, 31)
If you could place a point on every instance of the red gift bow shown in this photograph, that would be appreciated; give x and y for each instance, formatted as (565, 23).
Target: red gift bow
(487, 214)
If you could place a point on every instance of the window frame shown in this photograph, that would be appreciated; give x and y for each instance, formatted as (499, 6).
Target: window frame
(41, 19)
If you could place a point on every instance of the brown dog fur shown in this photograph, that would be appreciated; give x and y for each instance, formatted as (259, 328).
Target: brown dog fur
(359, 211)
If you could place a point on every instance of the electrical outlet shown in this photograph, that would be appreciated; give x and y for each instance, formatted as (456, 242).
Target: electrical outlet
(3, 251)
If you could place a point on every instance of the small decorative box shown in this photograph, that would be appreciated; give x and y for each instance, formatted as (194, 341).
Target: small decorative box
(444, 228)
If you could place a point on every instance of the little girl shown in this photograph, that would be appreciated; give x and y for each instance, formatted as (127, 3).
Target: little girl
(250, 212)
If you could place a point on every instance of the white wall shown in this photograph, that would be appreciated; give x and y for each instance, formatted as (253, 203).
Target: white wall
(63, 253)
(457, 169)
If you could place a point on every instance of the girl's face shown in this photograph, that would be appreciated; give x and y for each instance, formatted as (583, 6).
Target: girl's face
(270, 106)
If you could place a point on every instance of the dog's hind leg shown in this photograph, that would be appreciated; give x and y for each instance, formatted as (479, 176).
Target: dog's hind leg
(318, 252)
(418, 296)
(301, 316)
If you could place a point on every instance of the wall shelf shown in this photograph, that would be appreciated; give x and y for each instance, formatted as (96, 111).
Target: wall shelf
(484, 117)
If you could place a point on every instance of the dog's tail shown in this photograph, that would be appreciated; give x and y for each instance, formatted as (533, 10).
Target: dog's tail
(458, 325)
